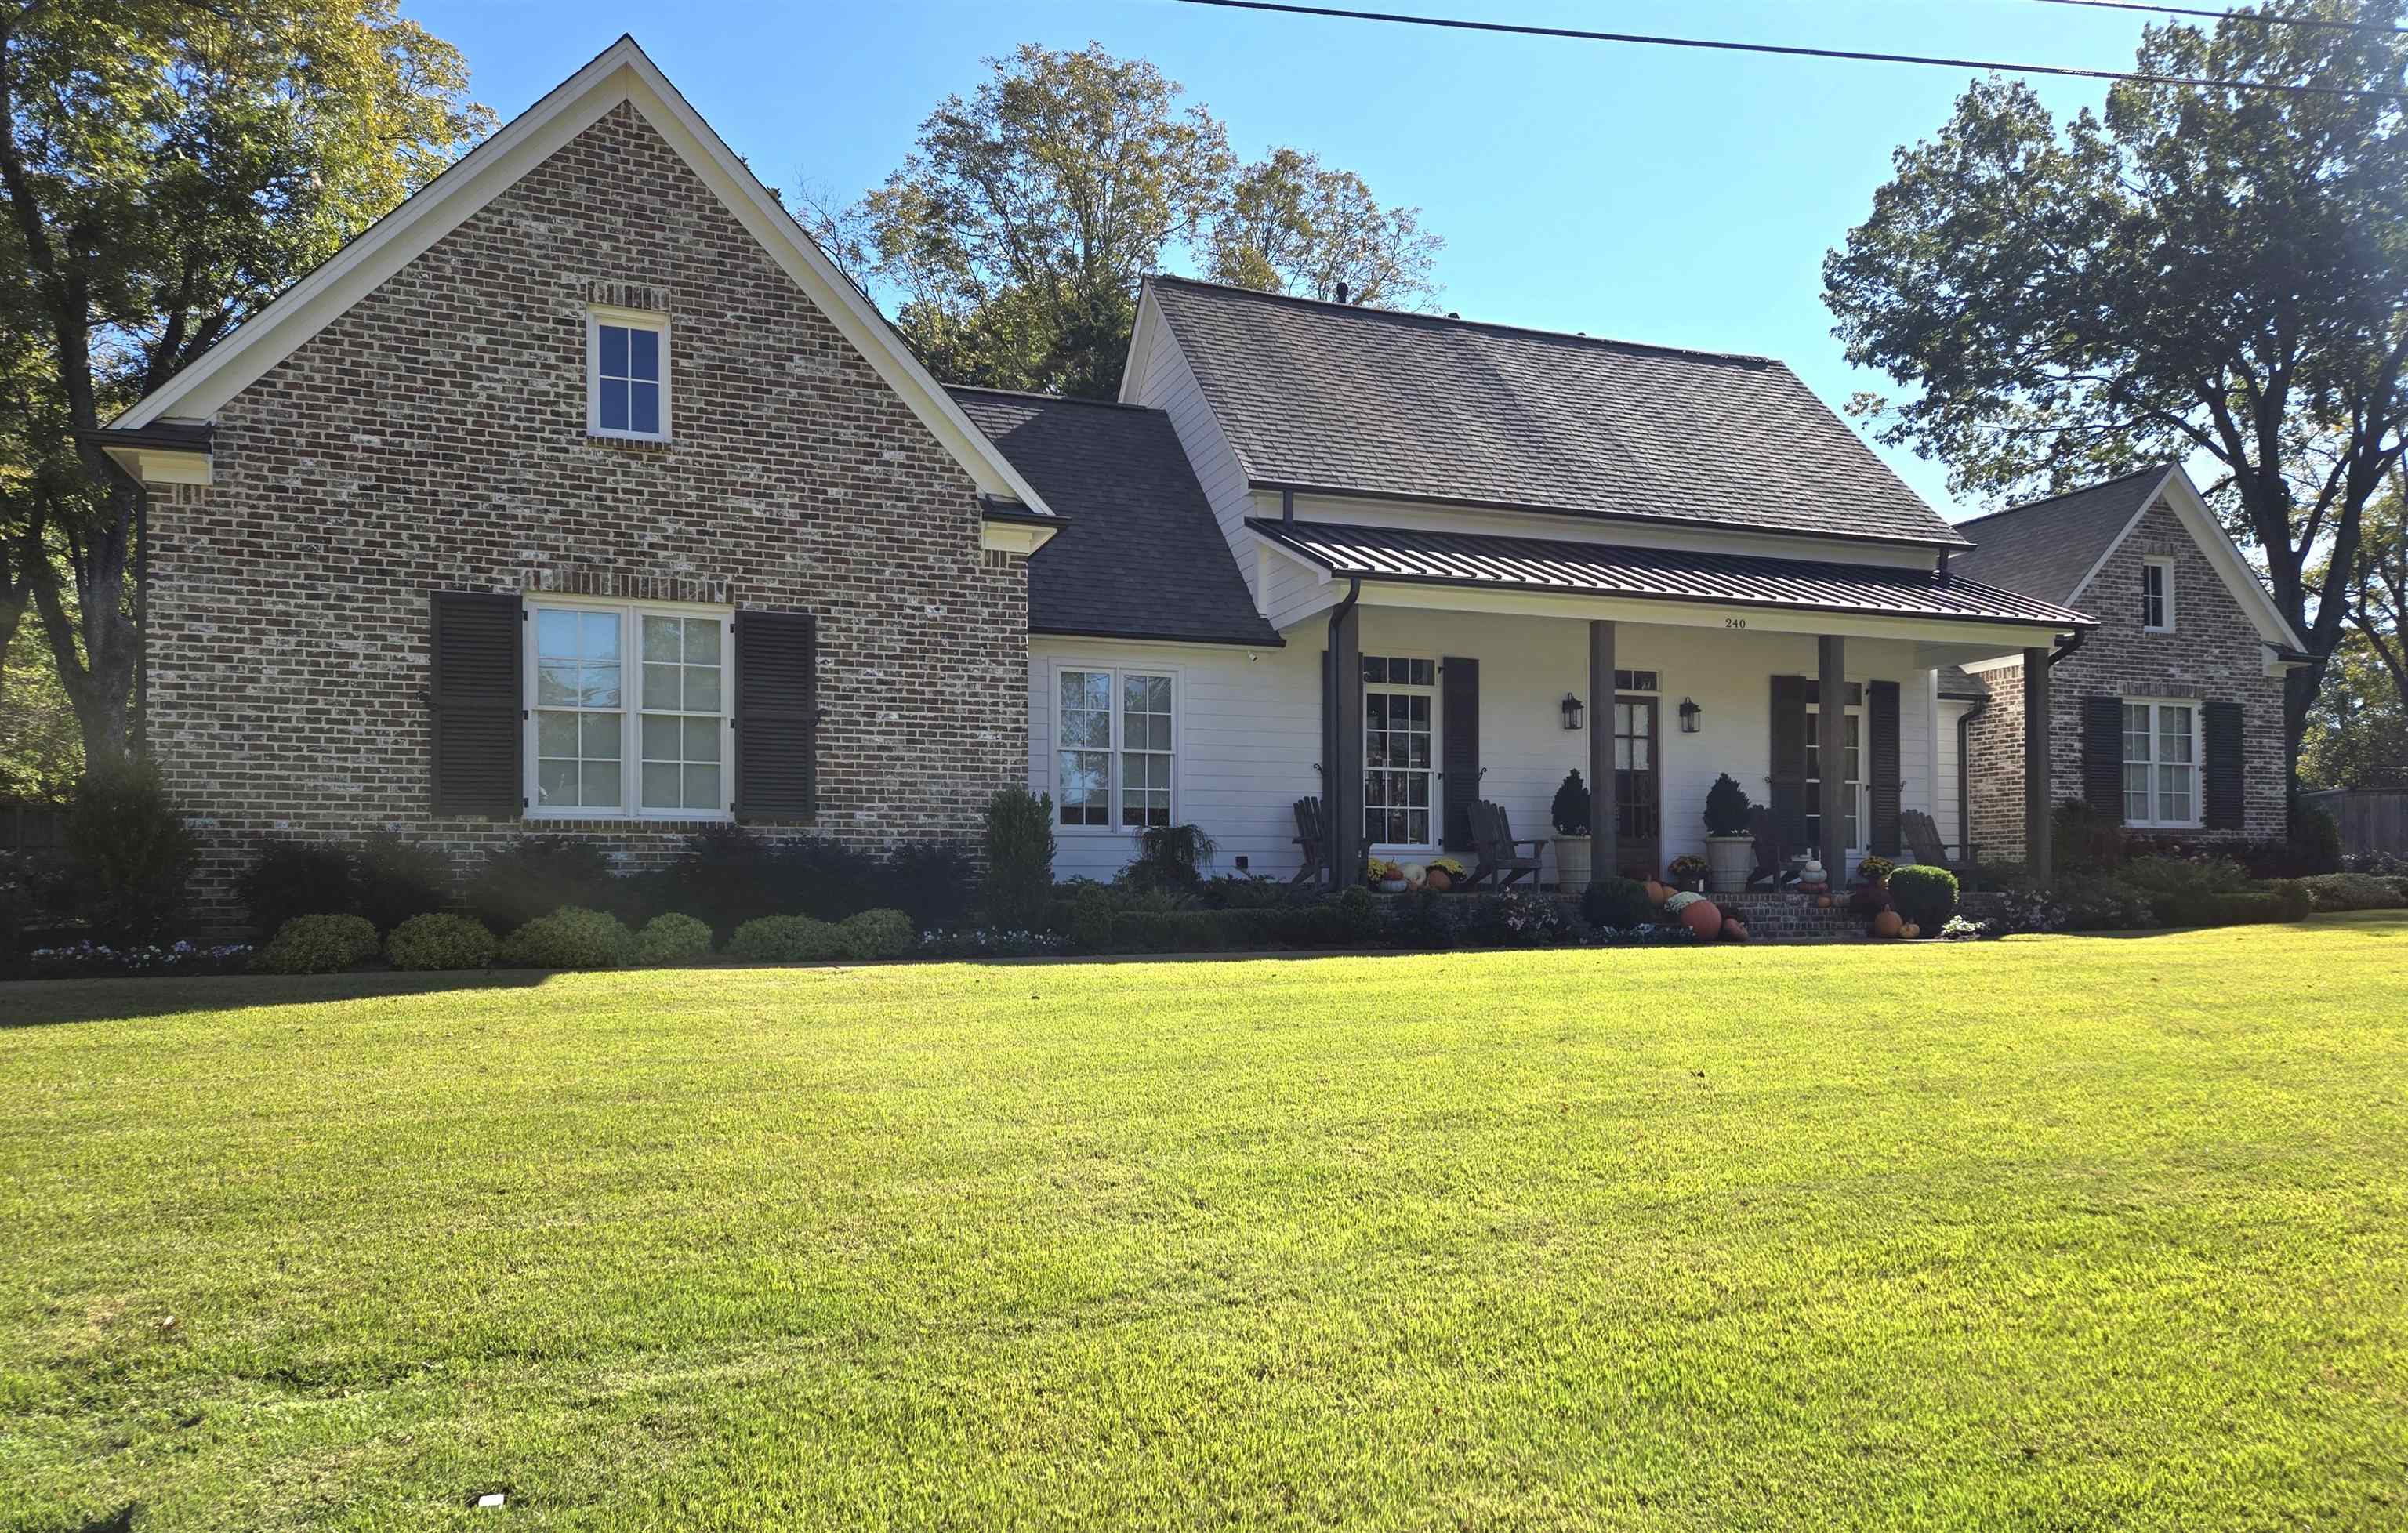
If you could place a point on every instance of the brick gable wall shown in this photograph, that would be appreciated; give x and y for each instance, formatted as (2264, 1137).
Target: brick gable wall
(2213, 653)
(434, 437)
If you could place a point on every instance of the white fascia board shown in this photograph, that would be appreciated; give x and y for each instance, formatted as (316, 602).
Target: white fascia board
(2179, 493)
(1140, 347)
(622, 72)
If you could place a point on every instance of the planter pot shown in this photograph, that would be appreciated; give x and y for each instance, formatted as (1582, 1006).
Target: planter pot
(1732, 858)
(1571, 864)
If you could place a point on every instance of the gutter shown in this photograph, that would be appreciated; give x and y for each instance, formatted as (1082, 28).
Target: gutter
(1330, 707)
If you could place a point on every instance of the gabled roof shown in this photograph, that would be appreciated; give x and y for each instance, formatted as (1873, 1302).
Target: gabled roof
(2054, 548)
(621, 72)
(2047, 548)
(1139, 554)
(1347, 400)
(1421, 556)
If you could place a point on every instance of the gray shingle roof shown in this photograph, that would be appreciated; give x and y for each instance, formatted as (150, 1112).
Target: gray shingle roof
(1421, 556)
(1372, 401)
(2044, 548)
(1956, 682)
(1140, 554)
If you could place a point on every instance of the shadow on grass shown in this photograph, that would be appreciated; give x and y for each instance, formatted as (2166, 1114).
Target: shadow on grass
(42, 1003)
(119, 1521)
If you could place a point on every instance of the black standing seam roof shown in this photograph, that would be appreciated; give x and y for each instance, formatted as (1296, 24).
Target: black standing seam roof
(1140, 553)
(1535, 563)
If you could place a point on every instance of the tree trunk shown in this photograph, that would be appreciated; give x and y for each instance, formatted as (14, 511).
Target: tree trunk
(95, 647)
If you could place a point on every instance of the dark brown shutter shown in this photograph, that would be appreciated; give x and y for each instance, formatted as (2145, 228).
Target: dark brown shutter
(1458, 681)
(1883, 783)
(2220, 793)
(478, 701)
(777, 715)
(1789, 760)
(2102, 757)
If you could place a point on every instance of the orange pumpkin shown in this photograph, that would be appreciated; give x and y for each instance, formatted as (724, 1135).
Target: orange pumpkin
(1734, 929)
(1704, 918)
(1658, 893)
(1887, 924)
(1823, 902)
(1438, 881)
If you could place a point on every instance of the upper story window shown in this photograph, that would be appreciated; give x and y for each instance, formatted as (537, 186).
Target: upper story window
(627, 375)
(627, 711)
(2157, 596)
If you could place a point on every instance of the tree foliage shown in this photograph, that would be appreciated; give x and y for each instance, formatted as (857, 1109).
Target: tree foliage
(1291, 226)
(167, 167)
(2194, 272)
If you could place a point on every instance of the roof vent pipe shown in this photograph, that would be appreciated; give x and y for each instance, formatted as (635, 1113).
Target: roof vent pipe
(1341, 293)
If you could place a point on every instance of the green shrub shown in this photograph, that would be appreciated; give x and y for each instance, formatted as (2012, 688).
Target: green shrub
(2353, 891)
(536, 876)
(1355, 918)
(2286, 899)
(1924, 895)
(289, 879)
(132, 854)
(1571, 810)
(794, 940)
(2085, 838)
(1617, 905)
(1727, 807)
(1092, 910)
(2316, 836)
(318, 944)
(2184, 874)
(672, 939)
(1169, 857)
(879, 934)
(570, 938)
(398, 880)
(1019, 846)
(439, 940)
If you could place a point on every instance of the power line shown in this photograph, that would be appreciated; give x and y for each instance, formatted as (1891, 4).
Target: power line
(2326, 22)
(1785, 49)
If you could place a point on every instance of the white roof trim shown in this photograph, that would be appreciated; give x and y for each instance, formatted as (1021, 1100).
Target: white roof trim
(621, 72)
(2181, 495)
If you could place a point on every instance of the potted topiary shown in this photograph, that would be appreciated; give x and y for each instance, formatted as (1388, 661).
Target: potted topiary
(1571, 813)
(1730, 848)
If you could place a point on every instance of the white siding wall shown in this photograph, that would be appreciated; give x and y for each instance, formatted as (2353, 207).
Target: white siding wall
(1250, 727)
(1949, 811)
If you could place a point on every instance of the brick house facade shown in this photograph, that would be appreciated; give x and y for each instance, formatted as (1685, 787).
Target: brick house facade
(433, 436)
(2215, 652)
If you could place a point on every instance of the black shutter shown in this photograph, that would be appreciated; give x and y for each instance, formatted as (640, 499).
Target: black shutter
(1460, 749)
(478, 698)
(1882, 784)
(777, 715)
(2220, 794)
(1789, 760)
(2102, 757)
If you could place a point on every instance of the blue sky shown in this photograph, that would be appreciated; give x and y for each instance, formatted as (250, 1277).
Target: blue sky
(1650, 193)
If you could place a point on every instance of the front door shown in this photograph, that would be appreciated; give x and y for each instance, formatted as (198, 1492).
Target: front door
(1637, 789)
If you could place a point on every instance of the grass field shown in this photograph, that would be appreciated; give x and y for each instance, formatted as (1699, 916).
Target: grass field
(2048, 1234)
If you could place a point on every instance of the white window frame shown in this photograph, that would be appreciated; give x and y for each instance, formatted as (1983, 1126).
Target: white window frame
(2198, 765)
(1863, 815)
(1116, 669)
(2165, 566)
(631, 712)
(1437, 694)
(596, 316)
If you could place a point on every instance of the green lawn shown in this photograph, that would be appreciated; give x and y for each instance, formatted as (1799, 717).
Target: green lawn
(2048, 1234)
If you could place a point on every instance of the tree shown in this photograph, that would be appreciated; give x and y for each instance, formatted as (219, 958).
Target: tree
(2376, 596)
(2357, 732)
(1018, 231)
(1289, 225)
(167, 166)
(2196, 272)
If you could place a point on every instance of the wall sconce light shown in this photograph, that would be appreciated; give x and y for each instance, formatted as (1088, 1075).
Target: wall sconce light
(1691, 716)
(1571, 711)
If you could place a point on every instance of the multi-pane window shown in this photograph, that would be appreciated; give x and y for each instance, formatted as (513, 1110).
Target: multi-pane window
(2160, 764)
(1852, 767)
(1637, 680)
(1400, 758)
(585, 734)
(2158, 595)
(627, 375)
(1113, 747)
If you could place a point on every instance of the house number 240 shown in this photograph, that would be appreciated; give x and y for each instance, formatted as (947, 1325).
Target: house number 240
(1734, 623)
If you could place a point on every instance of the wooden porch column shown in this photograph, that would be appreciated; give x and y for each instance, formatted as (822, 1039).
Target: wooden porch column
(1600, 751)
(1343, 789)
(2039, 849)
(1831, 751)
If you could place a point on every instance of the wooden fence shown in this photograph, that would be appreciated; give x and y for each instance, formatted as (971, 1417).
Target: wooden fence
(2371, 819)
(38, 825)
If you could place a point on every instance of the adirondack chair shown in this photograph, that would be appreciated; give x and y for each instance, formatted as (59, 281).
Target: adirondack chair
(1501, 859)
(1922, 838)
(1772, 857)
(1314, 838)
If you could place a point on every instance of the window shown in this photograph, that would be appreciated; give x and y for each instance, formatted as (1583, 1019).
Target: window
(627, 375)
(2157, 596)
(593, 715)
(1636, 680)
(1852, 795)
(1113, 747)
(2160, 764)
(1399, 764)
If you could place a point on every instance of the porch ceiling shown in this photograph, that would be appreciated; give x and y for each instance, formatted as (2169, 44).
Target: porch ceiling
(1744, 582)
